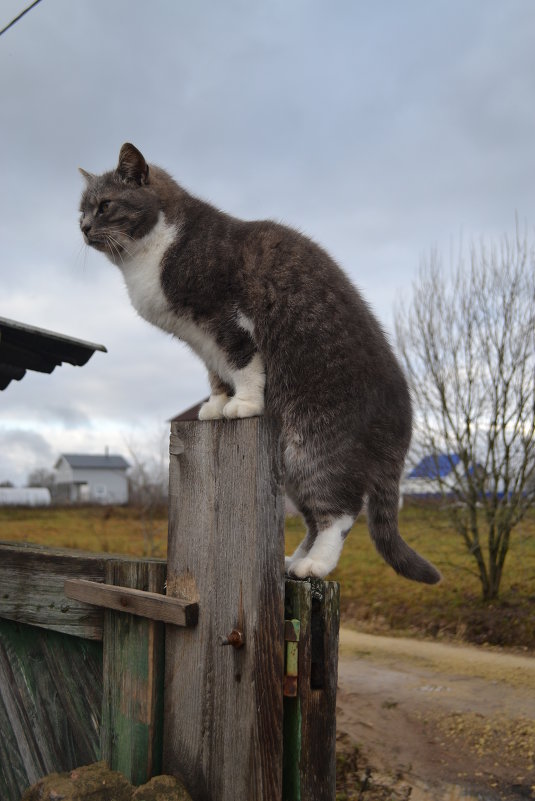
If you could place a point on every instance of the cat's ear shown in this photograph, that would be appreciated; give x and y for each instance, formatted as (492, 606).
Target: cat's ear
(87, 175)
(132, 166)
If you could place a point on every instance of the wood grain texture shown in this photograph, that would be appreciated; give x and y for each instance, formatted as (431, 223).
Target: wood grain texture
(31, 588)
(32, 579)
(132, 710)
(223, 725)
(152, 605)
(50, 704)
(310, 719)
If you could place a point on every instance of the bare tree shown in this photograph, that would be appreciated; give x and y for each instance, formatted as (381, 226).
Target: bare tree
(148, 484)
(41, 477)
(467, 340)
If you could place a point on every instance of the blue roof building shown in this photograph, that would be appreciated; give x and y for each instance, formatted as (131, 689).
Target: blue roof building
(426, 480)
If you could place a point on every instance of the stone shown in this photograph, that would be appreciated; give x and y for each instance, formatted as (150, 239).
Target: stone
(97, 782)
(94, 782)
(162, 788)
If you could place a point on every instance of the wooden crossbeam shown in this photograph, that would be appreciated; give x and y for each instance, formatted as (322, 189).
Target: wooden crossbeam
(137, 602)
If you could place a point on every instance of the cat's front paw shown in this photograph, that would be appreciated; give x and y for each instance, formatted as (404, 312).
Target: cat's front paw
(308, 568)
(212, 409)
(236, 407)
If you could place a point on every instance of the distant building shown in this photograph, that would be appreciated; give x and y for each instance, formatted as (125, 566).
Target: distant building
(91, 478)
(24, 496)
(425, 480)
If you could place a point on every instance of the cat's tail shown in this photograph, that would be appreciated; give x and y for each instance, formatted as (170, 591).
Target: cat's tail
(383, 527)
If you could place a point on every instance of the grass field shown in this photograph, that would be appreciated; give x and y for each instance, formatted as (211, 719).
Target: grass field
(373, 597)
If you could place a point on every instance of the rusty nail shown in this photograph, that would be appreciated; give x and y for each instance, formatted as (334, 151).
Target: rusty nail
(235, 638)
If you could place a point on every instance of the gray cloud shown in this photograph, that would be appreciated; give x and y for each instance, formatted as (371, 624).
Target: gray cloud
(379, 129)
(21, 451)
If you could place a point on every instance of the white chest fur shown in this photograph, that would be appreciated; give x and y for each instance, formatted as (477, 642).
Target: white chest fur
(141, 271)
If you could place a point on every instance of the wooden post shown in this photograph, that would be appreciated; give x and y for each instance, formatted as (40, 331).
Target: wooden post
(310, 716)
(223, 705)
(132, 705)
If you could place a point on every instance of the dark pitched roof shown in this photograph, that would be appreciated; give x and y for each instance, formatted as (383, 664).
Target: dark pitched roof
(24, 347)
(188, 414)
(98, 461)
(435, 466)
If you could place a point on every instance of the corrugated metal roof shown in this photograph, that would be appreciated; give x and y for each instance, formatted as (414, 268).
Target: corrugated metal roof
(100, 461)
(435, 466)
(24, 347)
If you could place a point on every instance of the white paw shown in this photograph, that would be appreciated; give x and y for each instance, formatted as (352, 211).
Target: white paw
(309, 567)
(212, 409)
(242, 408)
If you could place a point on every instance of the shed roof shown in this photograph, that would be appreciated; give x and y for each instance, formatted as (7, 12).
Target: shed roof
(98, 461)
(25, 347)
(188, 414)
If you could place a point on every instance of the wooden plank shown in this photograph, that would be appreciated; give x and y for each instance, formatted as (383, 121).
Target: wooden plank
(223, 726)
(310, 719)
(32, 579)
(50, 704)
(31, 582)
(132, 712)
(151, 605)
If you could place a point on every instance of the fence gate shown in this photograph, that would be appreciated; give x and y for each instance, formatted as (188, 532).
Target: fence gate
(226, 678)
(77, 683)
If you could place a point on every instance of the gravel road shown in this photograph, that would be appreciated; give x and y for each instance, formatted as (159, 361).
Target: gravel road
(454, 722)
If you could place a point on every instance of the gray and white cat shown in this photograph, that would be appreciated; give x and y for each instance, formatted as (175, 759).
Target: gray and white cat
(280, 328)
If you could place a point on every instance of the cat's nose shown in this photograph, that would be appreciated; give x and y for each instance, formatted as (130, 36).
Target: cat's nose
(85, 226)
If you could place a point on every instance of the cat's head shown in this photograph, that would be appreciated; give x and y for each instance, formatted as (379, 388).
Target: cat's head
(119, 207)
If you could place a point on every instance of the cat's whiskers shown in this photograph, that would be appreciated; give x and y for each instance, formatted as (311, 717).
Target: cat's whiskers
(126, 235)
(116, 244)
(114, 247)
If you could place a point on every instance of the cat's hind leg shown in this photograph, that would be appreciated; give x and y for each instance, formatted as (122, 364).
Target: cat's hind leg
(318, 555)
(302, 549)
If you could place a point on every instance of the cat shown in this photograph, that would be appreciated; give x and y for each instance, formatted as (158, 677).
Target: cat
(280, 328)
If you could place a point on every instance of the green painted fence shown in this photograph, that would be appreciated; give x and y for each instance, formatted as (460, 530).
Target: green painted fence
(77, 683)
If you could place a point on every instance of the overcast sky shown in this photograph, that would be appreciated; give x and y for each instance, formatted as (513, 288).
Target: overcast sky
(380, 129)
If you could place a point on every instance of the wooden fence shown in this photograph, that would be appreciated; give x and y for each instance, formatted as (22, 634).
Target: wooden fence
(227, 678)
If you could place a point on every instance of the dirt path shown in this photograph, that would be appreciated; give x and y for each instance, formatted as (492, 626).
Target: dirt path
(440, 717)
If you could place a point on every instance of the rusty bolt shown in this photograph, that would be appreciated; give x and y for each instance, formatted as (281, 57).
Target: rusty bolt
(235, 638)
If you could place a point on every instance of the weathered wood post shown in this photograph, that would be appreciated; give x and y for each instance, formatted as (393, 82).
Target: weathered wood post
(223, 728)
(132, 715)
(310, 704)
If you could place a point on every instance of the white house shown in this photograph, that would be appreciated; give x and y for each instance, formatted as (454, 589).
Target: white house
(92, 478)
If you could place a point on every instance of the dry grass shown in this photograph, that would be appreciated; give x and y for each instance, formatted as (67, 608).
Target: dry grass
(112, 529)
(373, 597)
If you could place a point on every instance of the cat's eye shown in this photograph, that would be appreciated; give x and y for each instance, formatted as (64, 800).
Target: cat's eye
(103, 207)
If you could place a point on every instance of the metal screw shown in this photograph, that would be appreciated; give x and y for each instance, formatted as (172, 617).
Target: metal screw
(235, 638)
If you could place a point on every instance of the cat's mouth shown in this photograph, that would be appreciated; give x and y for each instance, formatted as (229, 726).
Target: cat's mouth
(93, 242)
(104, 244)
